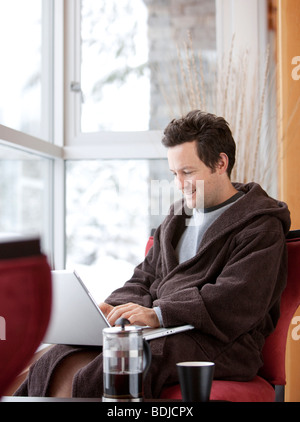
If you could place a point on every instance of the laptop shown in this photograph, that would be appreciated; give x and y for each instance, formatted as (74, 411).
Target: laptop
(76, 318)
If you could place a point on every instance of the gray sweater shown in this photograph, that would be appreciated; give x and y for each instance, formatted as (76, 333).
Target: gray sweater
(199, 222)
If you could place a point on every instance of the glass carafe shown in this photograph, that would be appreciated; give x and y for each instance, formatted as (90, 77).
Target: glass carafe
(126, 359)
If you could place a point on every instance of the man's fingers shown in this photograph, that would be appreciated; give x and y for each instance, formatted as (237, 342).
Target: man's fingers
(136, 314)
(121, 311)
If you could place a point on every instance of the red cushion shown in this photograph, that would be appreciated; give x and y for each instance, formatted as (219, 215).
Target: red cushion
(257, 390)
(149, 244)
(275, 346)
(25, 303)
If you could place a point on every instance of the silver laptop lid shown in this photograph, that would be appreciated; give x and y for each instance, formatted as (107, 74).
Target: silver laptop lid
(75, 318)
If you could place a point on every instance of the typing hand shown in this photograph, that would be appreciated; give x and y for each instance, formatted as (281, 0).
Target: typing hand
(136, 315)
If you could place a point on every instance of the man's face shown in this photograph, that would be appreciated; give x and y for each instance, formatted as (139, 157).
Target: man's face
(188, 169)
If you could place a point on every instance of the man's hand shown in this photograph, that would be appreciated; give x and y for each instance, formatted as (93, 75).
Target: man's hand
(136, 314)
(105, 308)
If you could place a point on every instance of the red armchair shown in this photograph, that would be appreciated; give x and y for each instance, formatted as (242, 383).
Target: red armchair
(25, 304)
(269, 384)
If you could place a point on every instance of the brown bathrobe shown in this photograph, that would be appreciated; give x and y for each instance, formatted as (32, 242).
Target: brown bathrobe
(230, 291)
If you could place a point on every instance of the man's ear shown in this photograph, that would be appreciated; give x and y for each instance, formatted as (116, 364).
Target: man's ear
(222, 163)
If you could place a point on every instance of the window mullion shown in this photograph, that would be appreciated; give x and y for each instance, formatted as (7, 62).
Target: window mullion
(72, 68)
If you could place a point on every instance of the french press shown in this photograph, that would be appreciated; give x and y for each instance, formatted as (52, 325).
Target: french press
(126, 360)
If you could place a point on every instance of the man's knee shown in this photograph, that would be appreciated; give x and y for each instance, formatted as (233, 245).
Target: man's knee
(62, 377)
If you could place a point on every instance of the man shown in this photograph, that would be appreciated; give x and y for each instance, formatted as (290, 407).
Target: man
(221, 268)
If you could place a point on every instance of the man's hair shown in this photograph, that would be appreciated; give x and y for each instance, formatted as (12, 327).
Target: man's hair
(212, 134)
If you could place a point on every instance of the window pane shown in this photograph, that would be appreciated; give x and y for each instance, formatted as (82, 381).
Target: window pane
(112, 205)
(134, 66)
(24, 84)
(25, 195)
(115, 81)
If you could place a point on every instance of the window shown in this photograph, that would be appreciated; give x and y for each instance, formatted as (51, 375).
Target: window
(25, 74)
(27, 151)
(25, 187)
(114, 72)
(129, 65)
(111, 207)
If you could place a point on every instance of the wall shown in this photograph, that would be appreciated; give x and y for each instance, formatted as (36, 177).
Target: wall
(289, 157)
